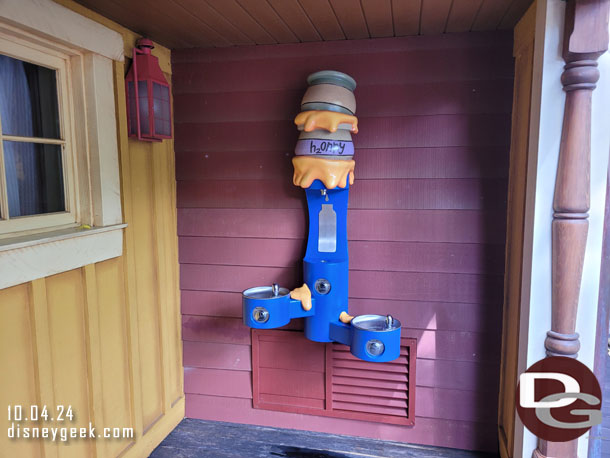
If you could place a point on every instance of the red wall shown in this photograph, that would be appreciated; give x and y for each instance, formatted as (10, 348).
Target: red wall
(426, 221)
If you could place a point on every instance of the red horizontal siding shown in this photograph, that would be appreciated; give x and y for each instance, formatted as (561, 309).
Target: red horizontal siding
(455, 404)
(450, 162)
(393, 256)
(445, 316)
(405, 194)
(217, 382)
(459, 375)
(391, 132)
(212, 329)
(213, 355)
(426, 224)
(426, 286)
(228, 222)
(455, 226)
(374, 69)
(211, 303)
(447, 97)
(430, 287)
(456, 346)
(234, 278)
(241, 251)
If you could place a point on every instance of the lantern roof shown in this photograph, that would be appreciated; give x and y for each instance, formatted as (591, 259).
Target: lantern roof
(148, 65)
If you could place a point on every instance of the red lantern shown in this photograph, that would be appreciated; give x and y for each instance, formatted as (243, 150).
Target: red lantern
(146, 87)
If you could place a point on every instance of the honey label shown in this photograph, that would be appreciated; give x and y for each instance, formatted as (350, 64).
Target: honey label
(326, 147)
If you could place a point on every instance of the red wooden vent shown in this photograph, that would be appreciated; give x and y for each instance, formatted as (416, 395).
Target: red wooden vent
(293, 374)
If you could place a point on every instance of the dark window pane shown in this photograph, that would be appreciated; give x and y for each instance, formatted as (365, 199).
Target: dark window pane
(34, 178)
(28, 99)
(161, 108)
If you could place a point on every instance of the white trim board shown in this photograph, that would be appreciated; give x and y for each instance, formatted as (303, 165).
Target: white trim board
(45, 17)
(53, 253)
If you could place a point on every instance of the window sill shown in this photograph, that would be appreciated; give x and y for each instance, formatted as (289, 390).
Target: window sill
(29, 257)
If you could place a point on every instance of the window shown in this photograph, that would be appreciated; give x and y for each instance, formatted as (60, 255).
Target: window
(36, 173)
(60, 205)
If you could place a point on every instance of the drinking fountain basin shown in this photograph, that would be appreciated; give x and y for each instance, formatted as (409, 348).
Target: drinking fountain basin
(267, 307)
(374, 338)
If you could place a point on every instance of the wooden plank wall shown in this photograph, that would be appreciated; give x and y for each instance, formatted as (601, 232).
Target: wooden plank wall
(105, 338)
(523, 52)
(426, 220)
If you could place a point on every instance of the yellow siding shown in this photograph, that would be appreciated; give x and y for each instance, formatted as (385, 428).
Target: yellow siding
(18, 375)
(105, 338)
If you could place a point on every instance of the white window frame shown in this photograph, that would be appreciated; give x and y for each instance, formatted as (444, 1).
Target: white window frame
(19, 49)
(91, 229)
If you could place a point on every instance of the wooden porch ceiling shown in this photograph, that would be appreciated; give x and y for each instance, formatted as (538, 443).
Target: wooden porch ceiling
(218, 23)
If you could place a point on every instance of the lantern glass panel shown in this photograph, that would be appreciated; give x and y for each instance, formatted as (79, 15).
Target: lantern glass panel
(131, 106)
(143, 99)
(161, 107)
(144, 110)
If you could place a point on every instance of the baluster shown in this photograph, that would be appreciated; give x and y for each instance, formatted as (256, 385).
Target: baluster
(585, 39)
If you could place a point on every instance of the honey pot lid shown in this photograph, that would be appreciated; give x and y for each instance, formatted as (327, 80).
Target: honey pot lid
(332, 77)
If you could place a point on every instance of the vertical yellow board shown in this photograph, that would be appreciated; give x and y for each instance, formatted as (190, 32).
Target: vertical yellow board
(147, 282)
(105, 339)
(68, 345)
(18, 376)
(165, 217)
(116, 405)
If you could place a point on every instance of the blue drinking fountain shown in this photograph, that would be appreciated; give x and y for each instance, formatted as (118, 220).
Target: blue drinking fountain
(324, 167)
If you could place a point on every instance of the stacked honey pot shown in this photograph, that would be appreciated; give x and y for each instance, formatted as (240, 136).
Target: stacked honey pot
(327, 119)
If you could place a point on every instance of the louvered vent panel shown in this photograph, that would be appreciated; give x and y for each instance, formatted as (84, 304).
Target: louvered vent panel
(371, 391)
(292, 374)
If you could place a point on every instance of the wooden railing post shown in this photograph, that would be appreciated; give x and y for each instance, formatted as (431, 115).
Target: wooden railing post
(585, 39)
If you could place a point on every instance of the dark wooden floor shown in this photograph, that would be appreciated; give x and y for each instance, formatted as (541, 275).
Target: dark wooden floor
(210, 439)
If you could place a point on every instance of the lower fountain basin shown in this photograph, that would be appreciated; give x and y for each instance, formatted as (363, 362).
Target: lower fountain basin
(375, 338)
